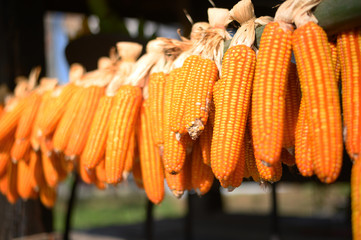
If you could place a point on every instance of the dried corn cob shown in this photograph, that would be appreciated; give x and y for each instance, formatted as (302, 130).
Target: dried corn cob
(150, 161)
(199, 95)
(19, 149)
(292, 105)
(5, 155)
(63, 129)
(268, 95)
(269, 173)
(121, 125)
(36, 168)
(156, 99)
(83, 121)
(12, 192)
(303, 151)
(47, 196)
(201, 174)
(4, 185)
(24, 186)
(236, 177)
(50, 173)
(318, 84)
(250, 159)
(205, 142)
(349, 44)
(94, 150)
(100, 171)
(179, 183)
(128, 165)
(232, 103)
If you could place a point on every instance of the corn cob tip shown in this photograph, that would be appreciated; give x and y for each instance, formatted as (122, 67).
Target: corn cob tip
(125, 175)
(178, 193)
(266, 163)
(195, 128)
(14, 161)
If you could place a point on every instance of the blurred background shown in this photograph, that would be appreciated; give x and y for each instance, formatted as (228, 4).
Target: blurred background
(54, 34)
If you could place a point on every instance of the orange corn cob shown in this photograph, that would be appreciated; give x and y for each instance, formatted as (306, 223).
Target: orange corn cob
(47, 196)
(128, 165)
(202, 175)
(10, 117)
(83, 121)
(269, 173)
(349, 44)
(24, 185)
(287, 158)
(232, 100)
(303, 151)
(87, 175)
(250, 159)
(179, 183)
(335, 59)
(292, 105)
(12, 192)
(28, 116)
(156, 101)
(36, 168)
(19, 148)
(268, 96)
(121, 127)
(5, 155)
(137, 173)
(205, 142)
(60, 100)
(51, 174)
(150, 161)
(174, 151)
(100, 171)
(4, 185)
(63, 130)
(356, 200)
(318, 84)
(199, 96)
(236, 177)
(180, 92)
(94, 150)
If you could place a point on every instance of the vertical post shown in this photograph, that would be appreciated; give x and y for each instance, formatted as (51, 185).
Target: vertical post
(275, 232)
(189, 218)
(149, 221)
(70, 207)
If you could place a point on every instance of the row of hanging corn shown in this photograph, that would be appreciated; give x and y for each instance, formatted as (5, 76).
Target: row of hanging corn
(188, 112)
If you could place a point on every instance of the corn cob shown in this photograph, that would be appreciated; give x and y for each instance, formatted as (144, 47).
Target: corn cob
(50, 173)
(303, 150)
(58, 103)
(5, 155)
(156, 99)
(100, 171)
(349, 44)
(269, 173)
(232, 101)
(10, 117)
(205, 142)
(24, 186)
(250, 159)
(292, 105)
(19, 149)
(335, 59)
(150, 161)
(268, 96)
(12, 192)
(4, 185)
(318, 84)
(87, 175)
(128, 165)
(137, 173)
(36, 168)
(83, 121)
(180, 91)
(47, 196)
(121, 127)
(94, 150)
(356, 200)
(179, 183)
(236, 177)
(63, 129)
(199, 95)
(201, 174)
